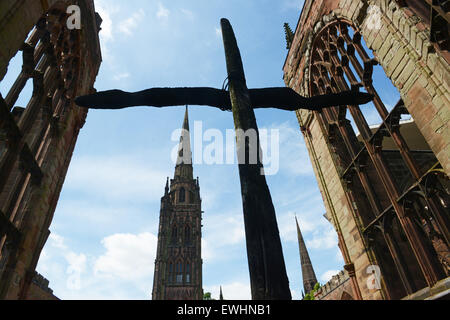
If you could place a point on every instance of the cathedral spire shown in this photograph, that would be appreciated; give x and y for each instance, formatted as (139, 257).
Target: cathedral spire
(178, 263)
(186, 120)
(309, 276)
(183, 167)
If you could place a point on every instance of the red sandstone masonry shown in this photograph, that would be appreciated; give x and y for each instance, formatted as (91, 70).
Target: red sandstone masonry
(403, 50)
(37, 208)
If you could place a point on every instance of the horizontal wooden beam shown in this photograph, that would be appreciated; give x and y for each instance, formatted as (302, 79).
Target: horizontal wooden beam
(277, 97)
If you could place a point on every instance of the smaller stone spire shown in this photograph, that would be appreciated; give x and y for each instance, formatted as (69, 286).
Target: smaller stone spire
(289, 35)
(221, 294)
(308, 274)
(167, 187)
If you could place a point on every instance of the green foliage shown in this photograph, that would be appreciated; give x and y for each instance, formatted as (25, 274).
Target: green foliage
(207, 296)
(310, 295)
(316, 286)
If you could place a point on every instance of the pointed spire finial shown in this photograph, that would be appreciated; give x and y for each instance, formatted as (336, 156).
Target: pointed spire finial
(308, 274)
(183, 168)
(289, 35)
(167, 186)
(221, 294)
(186, 119)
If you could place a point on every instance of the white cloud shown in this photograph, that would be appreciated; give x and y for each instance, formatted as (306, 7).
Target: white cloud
(123, 271)
(235, 230)
(68, 268)
(339, 257)
(296, 162)
(207, 252)
(308, 199)
(57, 241)
(218, 32)
(47, 266)
(106, 11)
(128, 25)
(121, 76)
(231, 291)
(225, 229)
(209, 199)
(188, 13)
(109, 27)
(76, 267)
(328, 275)
(163, 12)
(115, 177)
(222, 233)
(288, 228)
(323, 239)
(295, 295)
(77, 262)
(85, 213)
(128, 256)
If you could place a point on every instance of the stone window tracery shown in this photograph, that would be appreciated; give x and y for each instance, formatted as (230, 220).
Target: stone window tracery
(187, 235)
(171, 273)
(179, 273)
(174, 235)
(50, 62)
(381, 167)
(188, 273)
(182, 195)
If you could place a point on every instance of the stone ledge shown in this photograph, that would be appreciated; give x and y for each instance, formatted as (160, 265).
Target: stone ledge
(438, 291)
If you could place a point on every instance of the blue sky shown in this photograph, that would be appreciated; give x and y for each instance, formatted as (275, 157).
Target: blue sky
(103, 236)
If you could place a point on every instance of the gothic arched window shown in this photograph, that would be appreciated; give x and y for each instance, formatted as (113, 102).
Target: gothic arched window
(35, 107)
(171, 272)
(182, 195)
(187, 235)
(381, 165)
(174, 237)
(346, 296)
(188, 273)
(179, 273)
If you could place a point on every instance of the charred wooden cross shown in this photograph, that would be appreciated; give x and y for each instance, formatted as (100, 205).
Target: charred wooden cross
(265, 256)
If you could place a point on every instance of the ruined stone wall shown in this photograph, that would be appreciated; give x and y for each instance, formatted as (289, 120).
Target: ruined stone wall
(338, 288)
(39, 289)
(415, 66)
(36, 142)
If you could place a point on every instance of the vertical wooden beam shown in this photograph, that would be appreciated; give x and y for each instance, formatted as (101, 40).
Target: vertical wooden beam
(268, 275)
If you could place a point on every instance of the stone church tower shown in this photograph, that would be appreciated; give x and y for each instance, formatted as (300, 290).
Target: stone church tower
(178, 265)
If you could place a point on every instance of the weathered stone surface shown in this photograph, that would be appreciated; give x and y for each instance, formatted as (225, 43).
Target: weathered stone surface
(402, 48)
(34, 208)
(180, 229)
